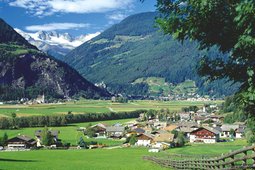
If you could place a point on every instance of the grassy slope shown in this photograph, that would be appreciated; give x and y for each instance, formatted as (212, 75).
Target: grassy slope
(157, 84)
(88, 106)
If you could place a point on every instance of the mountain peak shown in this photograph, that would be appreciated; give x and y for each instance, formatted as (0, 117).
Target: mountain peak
(54, 43)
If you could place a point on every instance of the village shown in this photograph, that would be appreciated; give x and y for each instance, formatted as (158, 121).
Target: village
(156, 130)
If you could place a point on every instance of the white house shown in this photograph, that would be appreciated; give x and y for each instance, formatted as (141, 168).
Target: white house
(239, 133)
(163, 141)
(115, 131)
(226, 130)
(144, 140)
(204, 135)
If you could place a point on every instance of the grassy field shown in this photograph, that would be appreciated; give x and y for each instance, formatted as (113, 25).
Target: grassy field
(100, 159)
(69, 133)
(209, 149)
(104, 159)
(96, 106)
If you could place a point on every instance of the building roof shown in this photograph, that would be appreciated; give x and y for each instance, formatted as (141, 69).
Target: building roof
(100, 125)
(186, 129)
(139, 130)
(187, 124)
(166, 137)
(240, 130)
(199, 118)
(227, 127)
(218, 128)
(145, 137)
(54, 133)
(213, 130)
(24, 138)
(216, 116)
(115, 129)
(170, 127)
(240, 123)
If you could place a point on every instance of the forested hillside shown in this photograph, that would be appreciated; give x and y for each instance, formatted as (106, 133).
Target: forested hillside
(134, 49)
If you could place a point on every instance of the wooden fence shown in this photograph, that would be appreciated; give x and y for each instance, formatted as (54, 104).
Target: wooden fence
(239, 159)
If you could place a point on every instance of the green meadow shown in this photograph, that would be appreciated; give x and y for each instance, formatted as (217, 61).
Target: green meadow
(69, 134)
(98, 159)
(95, 106)
(209, 149)
(105, 159)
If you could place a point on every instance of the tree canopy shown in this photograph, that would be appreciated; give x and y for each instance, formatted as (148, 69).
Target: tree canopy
(225, 24)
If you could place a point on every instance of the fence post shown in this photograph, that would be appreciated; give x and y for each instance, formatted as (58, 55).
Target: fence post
(223, 163)
(245, 160)
(253, 152)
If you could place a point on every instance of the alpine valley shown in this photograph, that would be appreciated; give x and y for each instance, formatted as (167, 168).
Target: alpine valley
(135, 58)
(26, 72)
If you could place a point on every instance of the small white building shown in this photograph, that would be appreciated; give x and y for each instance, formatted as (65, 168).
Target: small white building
(239, 133)
(144, 140)
(163, 141)
(226, 130)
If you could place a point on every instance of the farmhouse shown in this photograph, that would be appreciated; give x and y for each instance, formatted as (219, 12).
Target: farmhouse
(21, 142)
(115, 131)
(144, 140)
(205, 135)
(226, 128)
(100, 129)
(239, 133)
(54, 134)
(164, 141)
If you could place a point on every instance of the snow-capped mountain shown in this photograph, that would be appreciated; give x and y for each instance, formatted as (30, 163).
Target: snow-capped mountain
(54, 43)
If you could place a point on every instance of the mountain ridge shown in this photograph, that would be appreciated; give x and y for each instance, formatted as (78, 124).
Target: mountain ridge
(26, 72)
(54, 43)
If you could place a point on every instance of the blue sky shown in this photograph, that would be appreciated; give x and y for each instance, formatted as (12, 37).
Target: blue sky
(73, 16)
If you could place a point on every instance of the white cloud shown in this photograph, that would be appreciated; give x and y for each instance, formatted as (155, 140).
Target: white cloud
(56, 26)
(117, 16)
(49, 7)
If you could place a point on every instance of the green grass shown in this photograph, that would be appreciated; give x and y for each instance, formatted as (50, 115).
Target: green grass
(157, 84)
(95, 106)
(69, 133)
(106, 159)
(209, 149)
(100, 159)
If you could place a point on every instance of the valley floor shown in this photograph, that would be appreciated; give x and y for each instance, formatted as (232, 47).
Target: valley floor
(105, 159)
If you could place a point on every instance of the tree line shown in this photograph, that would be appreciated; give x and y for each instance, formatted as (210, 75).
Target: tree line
(63, 120)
